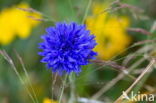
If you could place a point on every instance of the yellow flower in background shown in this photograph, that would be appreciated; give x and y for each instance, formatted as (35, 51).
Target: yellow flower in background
(15, 22)
(6, 30)
(47, 100)
(110, 32)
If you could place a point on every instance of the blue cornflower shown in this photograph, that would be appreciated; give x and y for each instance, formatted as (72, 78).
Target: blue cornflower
(66, 47)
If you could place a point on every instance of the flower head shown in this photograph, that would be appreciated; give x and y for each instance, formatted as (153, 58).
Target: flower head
(66, 47)
(110, 31)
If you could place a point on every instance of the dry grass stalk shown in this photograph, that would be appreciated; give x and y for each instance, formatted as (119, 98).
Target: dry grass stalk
(149, 67)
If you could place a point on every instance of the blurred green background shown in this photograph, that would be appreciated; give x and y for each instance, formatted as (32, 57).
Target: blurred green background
(91, 79)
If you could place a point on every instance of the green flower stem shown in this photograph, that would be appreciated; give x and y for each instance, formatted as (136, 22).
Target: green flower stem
(72, 88)
(63, 86)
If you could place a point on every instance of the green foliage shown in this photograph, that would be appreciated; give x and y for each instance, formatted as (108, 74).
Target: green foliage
(93, 77)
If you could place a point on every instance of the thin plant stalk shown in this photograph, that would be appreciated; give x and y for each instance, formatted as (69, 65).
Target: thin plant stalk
(26, 74)
(10, 61)
(62, 89)
(87, 9)
(72, 88)
(53, 83)
(115, 80)
(149, 67)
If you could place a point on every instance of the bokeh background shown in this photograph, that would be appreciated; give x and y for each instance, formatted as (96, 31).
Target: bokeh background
(20, 31)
